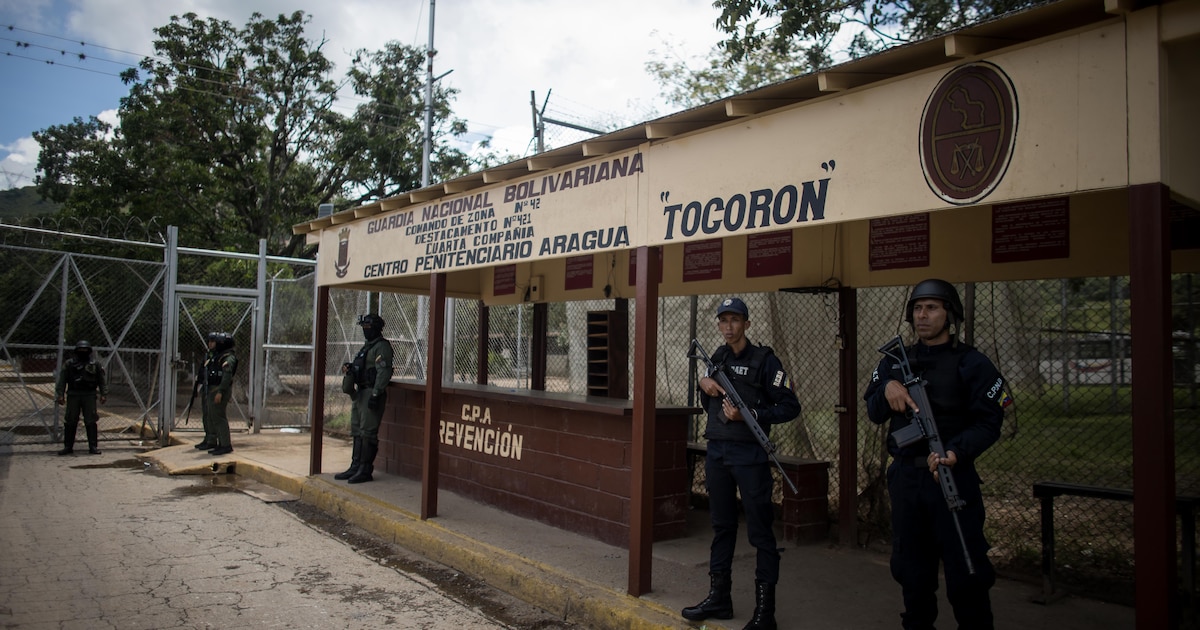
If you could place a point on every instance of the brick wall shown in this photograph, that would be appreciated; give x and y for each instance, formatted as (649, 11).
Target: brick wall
(559, 461)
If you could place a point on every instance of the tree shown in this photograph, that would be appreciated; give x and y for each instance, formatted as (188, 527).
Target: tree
(720, 77)
(390, 126)
(231, 134)
(872, 25)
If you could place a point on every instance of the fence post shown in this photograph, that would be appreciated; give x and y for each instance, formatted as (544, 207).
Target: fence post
(258, 363)
(170, 342)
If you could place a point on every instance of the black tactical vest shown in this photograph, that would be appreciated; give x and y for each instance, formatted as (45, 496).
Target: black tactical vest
(82, 377)
(948, 394)
(746, 376)
(213, 370)
(364, 375)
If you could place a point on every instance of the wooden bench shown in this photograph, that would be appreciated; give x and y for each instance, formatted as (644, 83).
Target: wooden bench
(1046, 491)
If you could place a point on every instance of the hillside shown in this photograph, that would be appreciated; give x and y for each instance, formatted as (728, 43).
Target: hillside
(24, 202)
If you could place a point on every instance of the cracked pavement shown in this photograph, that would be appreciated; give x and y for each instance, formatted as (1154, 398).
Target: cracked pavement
(96, 542)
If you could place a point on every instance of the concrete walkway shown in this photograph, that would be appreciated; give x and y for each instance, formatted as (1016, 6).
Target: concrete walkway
(584, 580)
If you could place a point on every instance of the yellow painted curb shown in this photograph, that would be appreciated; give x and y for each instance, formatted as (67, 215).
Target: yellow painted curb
(572, 599)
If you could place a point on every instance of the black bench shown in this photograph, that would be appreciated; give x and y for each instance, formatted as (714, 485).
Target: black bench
(1047, 490)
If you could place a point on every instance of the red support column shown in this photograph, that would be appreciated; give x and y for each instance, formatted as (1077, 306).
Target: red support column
(1153, 409)
(641, 491)
(848, 388)
(538, 347)
(433, 394)
(317, 434)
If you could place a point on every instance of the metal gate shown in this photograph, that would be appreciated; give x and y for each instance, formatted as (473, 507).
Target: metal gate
(55, 298)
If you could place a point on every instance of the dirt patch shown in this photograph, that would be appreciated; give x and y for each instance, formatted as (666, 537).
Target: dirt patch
(494, 603)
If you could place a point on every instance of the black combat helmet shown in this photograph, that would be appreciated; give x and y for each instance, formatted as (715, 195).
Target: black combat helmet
(372, 326)
(371, 320)
(936, 289)
(224, 341)
(83, 348)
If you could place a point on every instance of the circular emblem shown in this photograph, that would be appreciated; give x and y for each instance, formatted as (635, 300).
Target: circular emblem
(968, 131)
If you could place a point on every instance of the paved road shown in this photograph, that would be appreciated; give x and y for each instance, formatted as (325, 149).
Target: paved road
(98, 542)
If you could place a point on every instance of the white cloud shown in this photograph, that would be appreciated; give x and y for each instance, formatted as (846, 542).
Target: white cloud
(19, 162)
(591, 55)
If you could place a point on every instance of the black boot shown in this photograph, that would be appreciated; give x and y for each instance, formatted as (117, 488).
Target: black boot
(205, 445)
(718, 604)
(68, 441)
(93, 436)
(764, 607)
(355, 461)
(370, 449)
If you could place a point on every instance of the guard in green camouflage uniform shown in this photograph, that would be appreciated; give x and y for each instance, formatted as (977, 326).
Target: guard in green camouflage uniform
(210, 434)
(218, 389)
(80, 378)
(366, 379)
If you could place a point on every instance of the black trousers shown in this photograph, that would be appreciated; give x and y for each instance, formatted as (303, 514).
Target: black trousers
(923, 534)
(730, 467)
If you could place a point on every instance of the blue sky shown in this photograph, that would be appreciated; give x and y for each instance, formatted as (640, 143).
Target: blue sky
(591, 54)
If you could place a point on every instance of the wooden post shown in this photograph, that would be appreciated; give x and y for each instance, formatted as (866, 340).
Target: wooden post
(1153, 415)
(537, 347)
(848, 389)
(641, 491)
(433, 395)
(317, 437)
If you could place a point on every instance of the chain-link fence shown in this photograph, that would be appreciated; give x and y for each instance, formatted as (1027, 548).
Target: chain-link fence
(1062, 344)
(56, 299)
(114, 300)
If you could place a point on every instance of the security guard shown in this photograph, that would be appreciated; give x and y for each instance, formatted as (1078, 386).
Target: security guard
(736, 462)
(80, 377)
(366, 379)
(219, 370)
(210, 434)
(968, 396)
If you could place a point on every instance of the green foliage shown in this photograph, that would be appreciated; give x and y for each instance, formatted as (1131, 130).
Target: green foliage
(230, 134)
(815, 26)
(718, 76)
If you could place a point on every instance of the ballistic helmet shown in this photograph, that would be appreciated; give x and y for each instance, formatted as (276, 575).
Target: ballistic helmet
(224, 341)
(372, 321)
(936, 289)
(83, 347)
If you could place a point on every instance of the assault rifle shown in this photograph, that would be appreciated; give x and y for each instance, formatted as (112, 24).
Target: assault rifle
(923, 427)
(696, 351)
(187, 412)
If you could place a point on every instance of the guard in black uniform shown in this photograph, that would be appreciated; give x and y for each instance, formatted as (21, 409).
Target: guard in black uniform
(968, 396)
(78, 381)
(735, 461)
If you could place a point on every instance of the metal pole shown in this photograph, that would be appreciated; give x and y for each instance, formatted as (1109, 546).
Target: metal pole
(258, 361)
(422, 301)
(447, 374)
(59, 421)
(428, 101)
(170, 342)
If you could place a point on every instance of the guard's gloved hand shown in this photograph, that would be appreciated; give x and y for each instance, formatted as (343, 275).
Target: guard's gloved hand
(373, 403)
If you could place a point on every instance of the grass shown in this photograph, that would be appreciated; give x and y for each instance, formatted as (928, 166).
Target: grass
(1089, 444)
